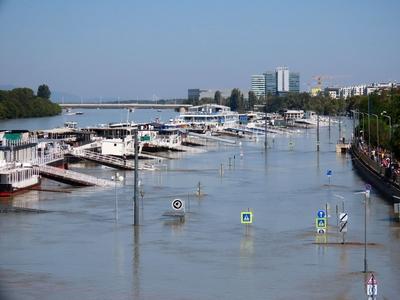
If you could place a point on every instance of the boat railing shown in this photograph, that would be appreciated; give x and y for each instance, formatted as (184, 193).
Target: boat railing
(48, 158)
(20, 142)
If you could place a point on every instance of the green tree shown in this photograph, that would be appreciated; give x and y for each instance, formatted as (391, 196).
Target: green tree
(234, 99)
(218, 98)
(252, 100)
(22, 103)
(44, 91)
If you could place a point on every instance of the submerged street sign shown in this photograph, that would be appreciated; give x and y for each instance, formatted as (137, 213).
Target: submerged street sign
(177, 204)
(372, 286)
(246, 217)
(320, 223)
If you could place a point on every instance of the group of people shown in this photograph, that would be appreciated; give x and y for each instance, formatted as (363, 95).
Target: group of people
(384, 158)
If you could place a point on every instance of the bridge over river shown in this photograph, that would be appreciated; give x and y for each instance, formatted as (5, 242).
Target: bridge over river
(180, 107)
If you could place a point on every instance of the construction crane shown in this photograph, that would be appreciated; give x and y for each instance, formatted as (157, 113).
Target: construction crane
(321, 78)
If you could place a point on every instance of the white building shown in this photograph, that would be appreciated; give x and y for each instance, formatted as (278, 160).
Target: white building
(258, 85)
(282, 79)
(364, 89)
(293, 114)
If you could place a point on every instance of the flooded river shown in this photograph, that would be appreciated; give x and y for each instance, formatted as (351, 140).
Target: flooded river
(77, 250)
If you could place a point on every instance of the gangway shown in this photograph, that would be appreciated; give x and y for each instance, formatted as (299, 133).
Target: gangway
(210, 137)
(71, 177)
(106, 160)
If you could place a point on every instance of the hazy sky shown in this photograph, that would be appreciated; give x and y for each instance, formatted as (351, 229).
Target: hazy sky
(140, 48)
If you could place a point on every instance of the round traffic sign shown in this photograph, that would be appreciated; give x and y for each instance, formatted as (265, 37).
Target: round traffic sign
(177, 204)
(321, 214)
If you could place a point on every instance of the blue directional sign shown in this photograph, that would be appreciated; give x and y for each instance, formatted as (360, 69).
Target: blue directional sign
(368, 187)
(321, 214)
(329, 173)
(246, 217)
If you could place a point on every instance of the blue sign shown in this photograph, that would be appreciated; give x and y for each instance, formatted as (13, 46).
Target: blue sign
(329, 173)
(320, 223)
(368, 187)
(321, 214)
(246, 217)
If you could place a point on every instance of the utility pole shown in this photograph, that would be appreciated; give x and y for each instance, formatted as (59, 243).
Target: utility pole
(135, 194)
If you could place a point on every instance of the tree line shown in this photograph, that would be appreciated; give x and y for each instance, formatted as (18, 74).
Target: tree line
(237, 102)
(23, 103)
(384, 118)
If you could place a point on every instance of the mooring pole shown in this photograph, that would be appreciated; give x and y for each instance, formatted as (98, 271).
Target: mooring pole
(135, 193)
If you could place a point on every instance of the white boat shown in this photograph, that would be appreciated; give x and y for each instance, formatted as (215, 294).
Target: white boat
(18, 179)
(212, 115)
(17, 151)
(69, 112)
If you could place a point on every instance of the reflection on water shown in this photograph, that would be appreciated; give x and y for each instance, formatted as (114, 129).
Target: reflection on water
(136, 262)
(90, 117)
(78, 250)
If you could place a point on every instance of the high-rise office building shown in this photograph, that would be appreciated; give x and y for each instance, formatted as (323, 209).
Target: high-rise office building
(282, 79)
(258, 85)
(278, 82)
(294, 82)
(270, 83)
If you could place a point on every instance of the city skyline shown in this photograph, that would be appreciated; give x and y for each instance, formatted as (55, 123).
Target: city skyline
(132, 50)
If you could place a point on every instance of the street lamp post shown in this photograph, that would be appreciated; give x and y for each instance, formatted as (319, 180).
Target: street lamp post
(384, 114)
(266, 124)
(363, 126)
(377, 129)
(369, 127)
(367, 195)
(136, 177)
(317, 132)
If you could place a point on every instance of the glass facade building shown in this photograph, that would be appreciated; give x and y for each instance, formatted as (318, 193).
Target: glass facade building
(270, 83)
(258, 85)
(281, 82)
(294, 82)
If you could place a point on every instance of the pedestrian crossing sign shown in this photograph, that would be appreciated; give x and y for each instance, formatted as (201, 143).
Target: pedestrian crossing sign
(246, 217)
(320, 223)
